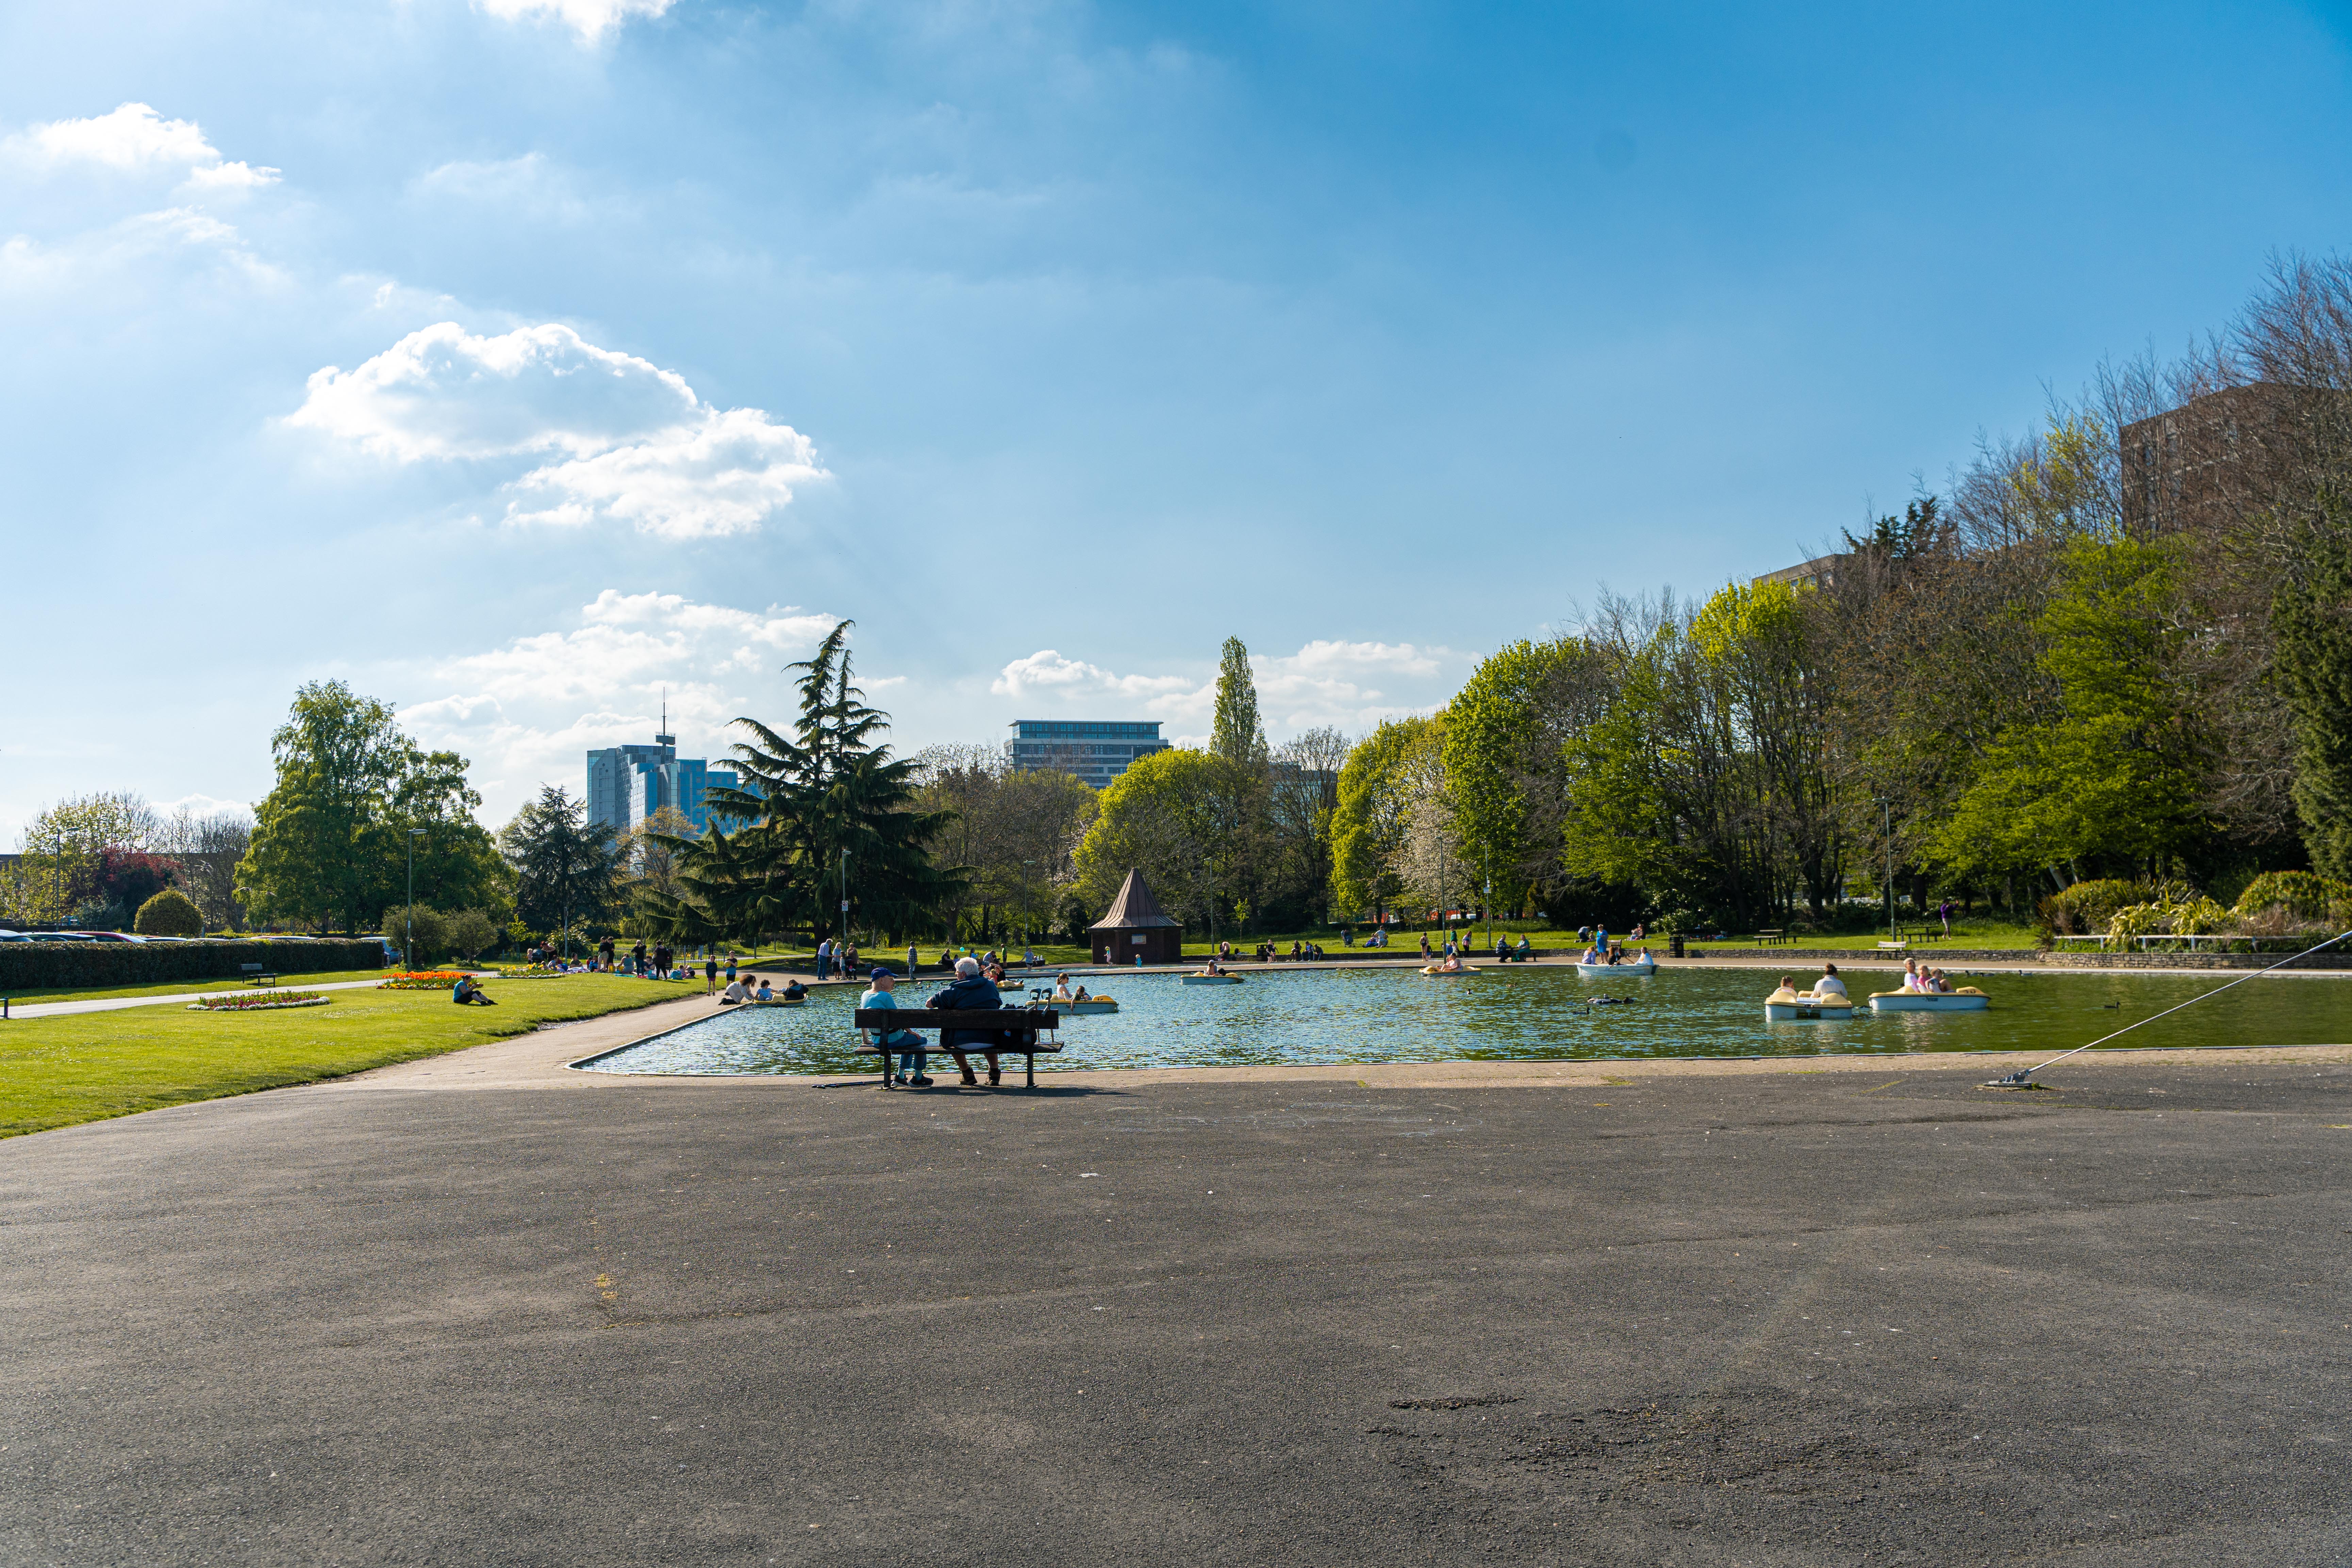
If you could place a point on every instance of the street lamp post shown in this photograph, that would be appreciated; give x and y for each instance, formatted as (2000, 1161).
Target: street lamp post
(844, 895)
(408, 947)
(1887, 808)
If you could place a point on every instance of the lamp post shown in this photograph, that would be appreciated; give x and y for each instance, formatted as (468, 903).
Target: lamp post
(1025, 866)
(845, 896)
(1886, 808)
(408, 947)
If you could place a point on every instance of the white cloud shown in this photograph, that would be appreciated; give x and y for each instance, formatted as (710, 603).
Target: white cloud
(632, 441)
(176, 238)
(526, 713)
(589, 18)
(1324, 682)
(134, 139)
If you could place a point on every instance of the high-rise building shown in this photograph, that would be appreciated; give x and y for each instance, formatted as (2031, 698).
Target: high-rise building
(1095, 750)
(626, 784)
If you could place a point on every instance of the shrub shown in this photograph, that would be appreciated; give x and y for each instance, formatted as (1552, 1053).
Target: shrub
(2088, 906)
(66, 965)
(431, 928)
(2298, 895)
(169, 913)
(472, 932)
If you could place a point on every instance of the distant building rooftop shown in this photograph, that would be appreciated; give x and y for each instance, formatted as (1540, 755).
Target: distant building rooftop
(1094, 750)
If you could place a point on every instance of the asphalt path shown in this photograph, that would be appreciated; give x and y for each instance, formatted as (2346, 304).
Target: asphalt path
(1872, 1316)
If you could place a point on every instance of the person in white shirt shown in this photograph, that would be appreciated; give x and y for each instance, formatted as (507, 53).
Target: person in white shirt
(1829, 984)
(1911, 975)
(733, 993)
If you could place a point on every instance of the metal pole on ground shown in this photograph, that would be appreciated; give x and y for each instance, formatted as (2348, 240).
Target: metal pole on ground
(408, 947)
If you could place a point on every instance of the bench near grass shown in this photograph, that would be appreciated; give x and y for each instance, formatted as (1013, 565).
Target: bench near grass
(1019, 1026)
(258, 975)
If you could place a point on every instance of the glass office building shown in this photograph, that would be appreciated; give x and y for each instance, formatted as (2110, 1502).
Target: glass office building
(627, 785)
(1095, 750)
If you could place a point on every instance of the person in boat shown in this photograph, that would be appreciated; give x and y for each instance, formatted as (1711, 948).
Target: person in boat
(794, 991)
(1450, 964)
(971, 991)
(1212, 969)
(1911, 975)
(1829, 984)
(1080, 995)
(764, 994)
(1645, 960)
(1061, 989)
(1938, 983)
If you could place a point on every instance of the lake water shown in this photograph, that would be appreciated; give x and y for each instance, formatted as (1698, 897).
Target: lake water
(1364, 1016)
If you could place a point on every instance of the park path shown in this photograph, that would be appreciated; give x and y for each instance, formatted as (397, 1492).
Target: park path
(109, 1004)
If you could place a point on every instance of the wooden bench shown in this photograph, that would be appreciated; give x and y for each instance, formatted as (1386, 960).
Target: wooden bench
(1770, 938)
(1019, 1026)
(258, 975)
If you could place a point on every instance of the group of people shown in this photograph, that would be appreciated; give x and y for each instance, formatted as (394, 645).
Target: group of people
(837, 959)
(1829, 984)
(1919, 977)
(1613, 953)
(752, 988)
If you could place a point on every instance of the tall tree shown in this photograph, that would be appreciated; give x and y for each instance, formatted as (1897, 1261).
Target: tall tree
(1372, 810)
(319, 850)
(1162, 816)
(2312, 623)
(832, 817)
(65, 868)
(1236, 734)
(565, 866)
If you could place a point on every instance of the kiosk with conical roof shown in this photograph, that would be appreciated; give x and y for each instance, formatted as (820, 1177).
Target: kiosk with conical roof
(1134, 927)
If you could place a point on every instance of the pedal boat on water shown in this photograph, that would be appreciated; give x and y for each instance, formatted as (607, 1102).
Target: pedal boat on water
(1603, 971)
(1787, 1006)
(1092, 1005)
(1966, 999)
(1213, 980)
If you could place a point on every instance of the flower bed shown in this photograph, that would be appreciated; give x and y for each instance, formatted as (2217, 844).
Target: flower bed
(259, 1001)
(421, 980)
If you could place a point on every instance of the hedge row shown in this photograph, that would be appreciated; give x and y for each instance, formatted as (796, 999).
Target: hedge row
(69, 965)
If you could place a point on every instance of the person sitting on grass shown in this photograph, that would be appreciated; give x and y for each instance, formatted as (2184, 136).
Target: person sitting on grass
(468, 989)
(912, 1058)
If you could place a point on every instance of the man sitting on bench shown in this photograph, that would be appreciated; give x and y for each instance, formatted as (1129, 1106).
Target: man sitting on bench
(971, 991)
(906, 1042)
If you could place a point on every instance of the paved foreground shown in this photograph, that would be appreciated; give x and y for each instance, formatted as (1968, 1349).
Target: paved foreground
(1872, 1316)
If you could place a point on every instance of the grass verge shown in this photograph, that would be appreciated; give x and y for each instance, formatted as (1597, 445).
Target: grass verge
(56, 1072)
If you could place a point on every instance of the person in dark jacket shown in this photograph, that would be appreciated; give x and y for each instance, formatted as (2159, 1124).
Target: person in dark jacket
(971, 991)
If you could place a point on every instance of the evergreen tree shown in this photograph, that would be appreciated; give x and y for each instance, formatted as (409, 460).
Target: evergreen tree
(2312, 620)
(809, 797)
(564, 865)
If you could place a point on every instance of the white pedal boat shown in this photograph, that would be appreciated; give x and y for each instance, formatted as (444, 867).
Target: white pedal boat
(1092, 1005)
(1213, 980)
(1434, 972)
(1603, 971)
(1787, 1006)
(1966, 999)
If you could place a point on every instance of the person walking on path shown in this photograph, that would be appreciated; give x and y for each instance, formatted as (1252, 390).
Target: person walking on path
(1943, 913)
(914, 961)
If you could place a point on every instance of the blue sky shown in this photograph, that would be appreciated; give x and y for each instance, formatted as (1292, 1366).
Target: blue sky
(517, 361)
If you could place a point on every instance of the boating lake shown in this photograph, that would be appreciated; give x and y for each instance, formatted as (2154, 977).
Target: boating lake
(1533, 1012)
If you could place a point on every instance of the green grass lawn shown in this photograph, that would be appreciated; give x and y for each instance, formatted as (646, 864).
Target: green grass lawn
(183, 987)
(58, 1071)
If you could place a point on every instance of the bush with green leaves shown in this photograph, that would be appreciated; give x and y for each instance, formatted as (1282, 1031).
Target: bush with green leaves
(471, 933)
(2295, 895)
(169, 913)
(425, 929)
